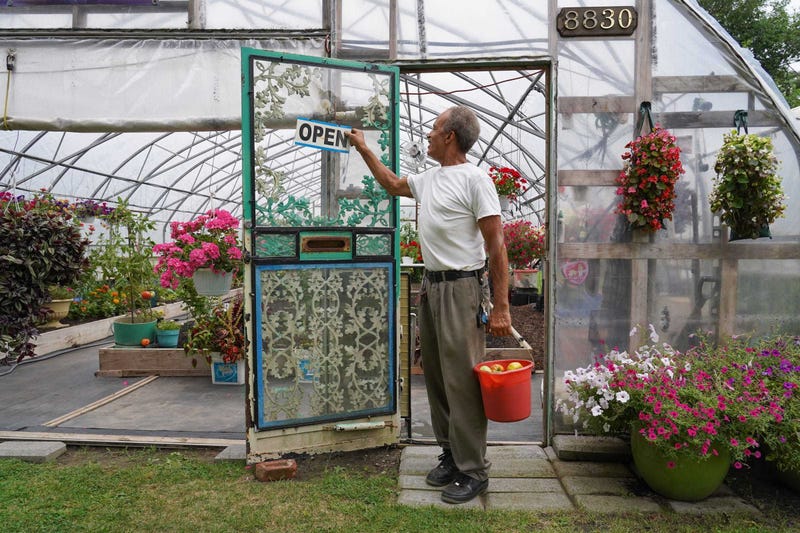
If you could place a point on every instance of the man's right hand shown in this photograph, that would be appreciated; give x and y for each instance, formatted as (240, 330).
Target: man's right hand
(357, 140)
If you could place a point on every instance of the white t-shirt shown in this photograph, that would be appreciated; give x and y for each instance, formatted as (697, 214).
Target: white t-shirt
(452, 199)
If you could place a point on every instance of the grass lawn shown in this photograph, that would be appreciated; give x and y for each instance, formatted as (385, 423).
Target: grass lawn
(160, 490)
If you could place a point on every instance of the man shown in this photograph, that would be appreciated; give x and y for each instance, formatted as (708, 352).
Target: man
(459, 213)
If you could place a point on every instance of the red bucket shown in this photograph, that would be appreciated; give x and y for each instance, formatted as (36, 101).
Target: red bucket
(506, 394)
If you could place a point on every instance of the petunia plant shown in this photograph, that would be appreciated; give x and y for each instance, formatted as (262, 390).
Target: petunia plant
(698, 402)
(647, 182)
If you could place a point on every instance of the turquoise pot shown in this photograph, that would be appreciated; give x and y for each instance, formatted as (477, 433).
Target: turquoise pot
(131, 334)
(691, 479)
(167, 338)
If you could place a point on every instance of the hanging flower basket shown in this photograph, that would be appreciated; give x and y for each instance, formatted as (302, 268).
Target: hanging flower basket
(647, 183)
(508, 182)
(747, 191)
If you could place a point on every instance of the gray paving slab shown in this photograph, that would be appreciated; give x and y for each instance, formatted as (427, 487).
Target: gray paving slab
(588, 448)
(714, 505)
(498, 453)
(583, 468)
(539, 485)
(528, 501)
(433, 498)
(32, 451)
(237, 452)
(412, 482)
(534, 467)
(598, 503)
(618, 486)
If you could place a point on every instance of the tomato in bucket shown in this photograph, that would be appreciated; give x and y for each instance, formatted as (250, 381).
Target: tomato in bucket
(506, 393)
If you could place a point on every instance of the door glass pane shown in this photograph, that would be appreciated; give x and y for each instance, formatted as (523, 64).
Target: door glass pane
(324, 335)
(301, 185)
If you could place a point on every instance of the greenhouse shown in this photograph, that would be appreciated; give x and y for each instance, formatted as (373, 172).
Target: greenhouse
(168, 109)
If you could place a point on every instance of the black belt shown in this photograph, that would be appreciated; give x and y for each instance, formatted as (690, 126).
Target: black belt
(451, 275)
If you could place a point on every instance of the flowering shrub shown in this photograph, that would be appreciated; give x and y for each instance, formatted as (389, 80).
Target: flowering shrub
(524, 243)
(647, 183)
(221, 330)
(508, 182)
(98, 300)
(91, 208)
(211, 241)
(698, 402)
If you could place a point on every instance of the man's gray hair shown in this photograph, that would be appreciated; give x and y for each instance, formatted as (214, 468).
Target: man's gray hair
(462, 121)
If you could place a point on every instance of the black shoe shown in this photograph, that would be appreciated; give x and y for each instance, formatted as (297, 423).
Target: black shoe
(444, 473)
(463, 489)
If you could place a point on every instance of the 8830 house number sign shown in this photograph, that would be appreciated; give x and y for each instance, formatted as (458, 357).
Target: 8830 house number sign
(596, 21)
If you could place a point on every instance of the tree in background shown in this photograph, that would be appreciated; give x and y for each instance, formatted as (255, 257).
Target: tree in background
(771, 30)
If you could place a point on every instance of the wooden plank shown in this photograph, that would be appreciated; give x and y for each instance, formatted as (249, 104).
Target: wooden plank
(91, 439)
(716, 119)
(673, 250)
(596, 104)
(132, 362)
(729, 276)
(99, 403)
(640, 270)
(588, 178)
(699, 84)
(405, 370)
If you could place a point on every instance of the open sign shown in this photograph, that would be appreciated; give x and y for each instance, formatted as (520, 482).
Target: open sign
(322, 135)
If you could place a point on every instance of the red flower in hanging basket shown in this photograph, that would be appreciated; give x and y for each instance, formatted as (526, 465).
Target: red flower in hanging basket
(508, 182)
(647, 183)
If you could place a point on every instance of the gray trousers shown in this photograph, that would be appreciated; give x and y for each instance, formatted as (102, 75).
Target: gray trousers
(452, 344)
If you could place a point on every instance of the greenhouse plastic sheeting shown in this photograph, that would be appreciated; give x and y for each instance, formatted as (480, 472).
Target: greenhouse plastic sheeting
(132, 85)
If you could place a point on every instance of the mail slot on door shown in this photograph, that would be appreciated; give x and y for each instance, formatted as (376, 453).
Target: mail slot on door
(326, 246)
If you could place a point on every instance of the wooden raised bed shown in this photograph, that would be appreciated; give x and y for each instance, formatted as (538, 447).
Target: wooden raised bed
(134, 362)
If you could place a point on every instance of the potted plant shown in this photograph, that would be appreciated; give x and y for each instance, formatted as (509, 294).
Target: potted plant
(123, 257)
(509, 184)
(167, 333)
(42, 247)
(205, 249)
(60, 300)
(218, 336)
(86, 210)
(647, 181)
(690, 415)
(747, 191)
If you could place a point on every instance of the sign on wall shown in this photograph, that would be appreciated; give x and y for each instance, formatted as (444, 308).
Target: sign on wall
(596, 21)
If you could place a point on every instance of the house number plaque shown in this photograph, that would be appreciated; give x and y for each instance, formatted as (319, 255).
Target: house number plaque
(596, 21)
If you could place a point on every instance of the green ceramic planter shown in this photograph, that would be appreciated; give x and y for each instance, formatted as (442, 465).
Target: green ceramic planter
(690, 480)
(127, 334)
(167, 338)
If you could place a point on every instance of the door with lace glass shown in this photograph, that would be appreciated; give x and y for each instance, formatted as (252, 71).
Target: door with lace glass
(322, 277)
